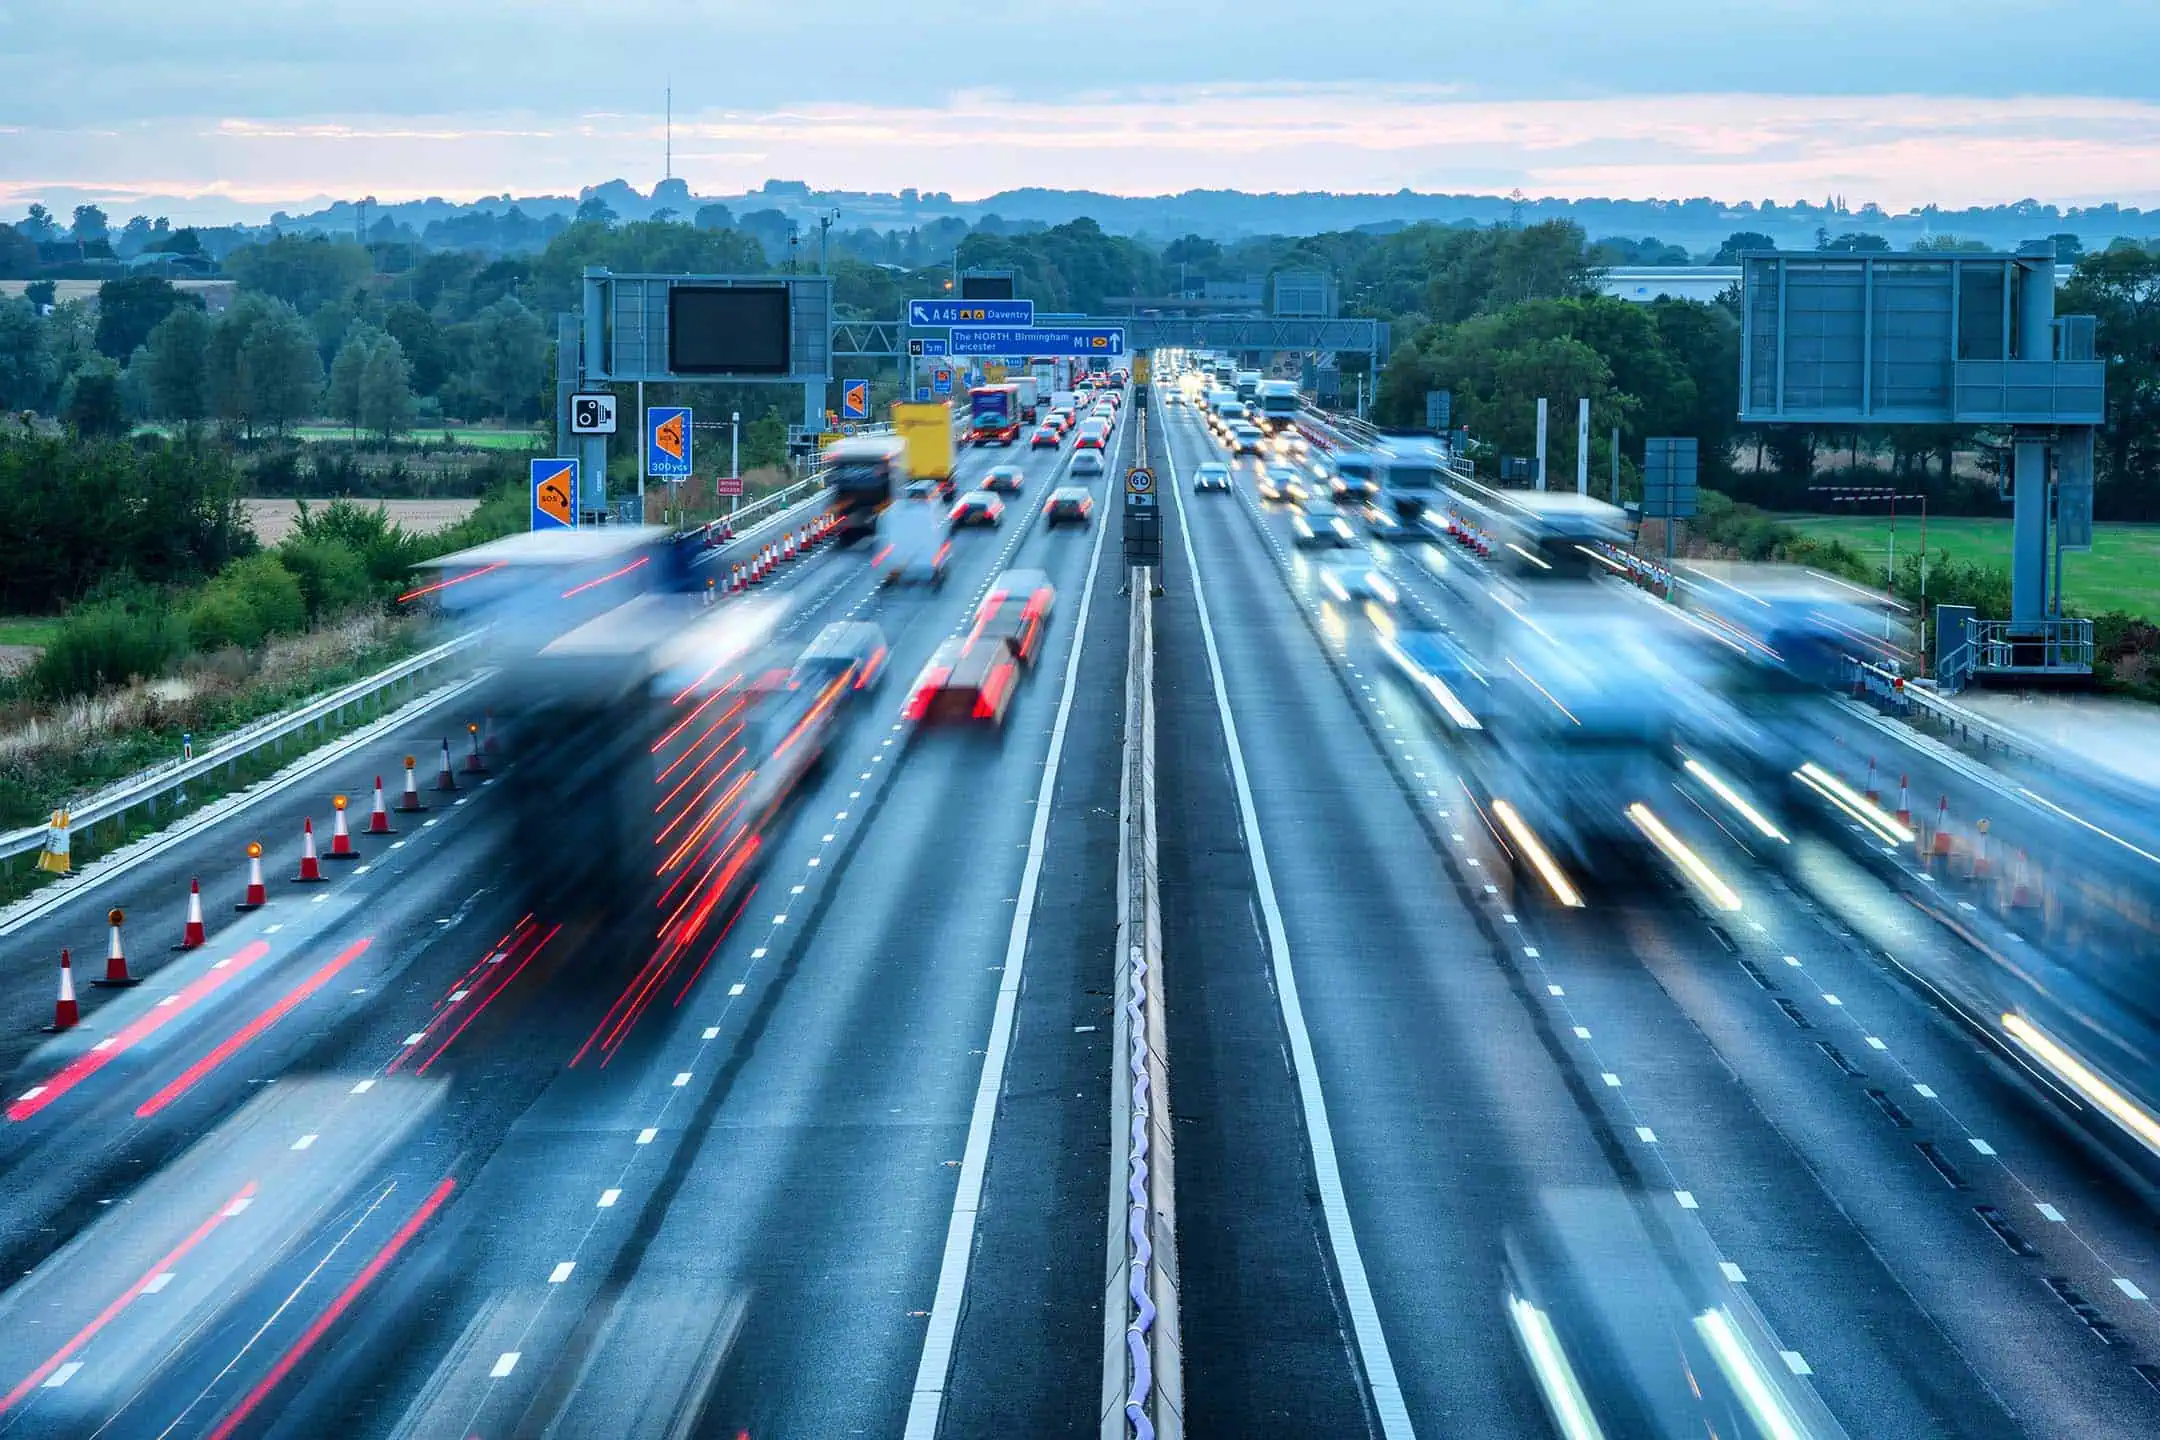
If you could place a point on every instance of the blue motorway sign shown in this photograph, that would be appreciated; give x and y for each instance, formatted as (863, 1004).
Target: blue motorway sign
(997, 340)
(941, 380)
(926, 347)
(854, 400)
(667, 442)
(554, 494)
(971, 312)
(922, 394)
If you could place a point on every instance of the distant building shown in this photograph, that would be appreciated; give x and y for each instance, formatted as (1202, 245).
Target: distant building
(1306, 294)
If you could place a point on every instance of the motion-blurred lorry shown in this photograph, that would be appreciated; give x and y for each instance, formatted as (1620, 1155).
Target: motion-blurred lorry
(1278, 401)
(927, 431)
(1029, 392)
(864, 473)
(656, 736)
(994, 414)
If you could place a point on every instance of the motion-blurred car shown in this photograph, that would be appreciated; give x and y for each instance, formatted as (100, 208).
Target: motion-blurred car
(977, 507)
(1005, 479)
(1047, 436)
(1015, 611)
(1087, 462)
(1289, 444)
(964, 681)
(853, 650)
(1439, 669)
(1354, 580)
(1068, 504)
(1292, 483)
(1320, 523)
(923, 490)
(1092, 435)
(1214, 475)
(1267, 487)
(1245, 438)
(1173, 398)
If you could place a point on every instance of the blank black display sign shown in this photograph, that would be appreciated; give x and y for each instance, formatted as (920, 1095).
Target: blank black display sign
(728, 330)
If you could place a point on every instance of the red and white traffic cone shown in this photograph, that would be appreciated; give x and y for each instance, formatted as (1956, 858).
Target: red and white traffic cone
(310, 862)
(792, 552)
(734, 584)
(341, 846)
(192, 935)
(116, 971)
(445, 778)
(1904, 802)
(712, 591)
(474, 765)
(410, 801)
(257, 896)
(1874, 796)
(66, 1013)
(378, 820)
(1940, 845)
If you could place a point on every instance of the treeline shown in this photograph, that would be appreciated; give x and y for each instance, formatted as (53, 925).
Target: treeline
(146, 550)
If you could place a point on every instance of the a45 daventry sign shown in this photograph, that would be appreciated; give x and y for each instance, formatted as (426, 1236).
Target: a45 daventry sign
(971, 312)
(1047, 340)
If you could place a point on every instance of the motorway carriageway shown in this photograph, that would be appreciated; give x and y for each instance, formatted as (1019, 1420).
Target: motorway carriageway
(356, 1187)
(336, 1173)
(1383, 1052)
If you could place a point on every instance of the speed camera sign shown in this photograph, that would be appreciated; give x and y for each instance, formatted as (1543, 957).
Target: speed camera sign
(592, 414)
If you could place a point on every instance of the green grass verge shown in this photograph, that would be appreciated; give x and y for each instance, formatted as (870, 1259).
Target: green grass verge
(28, 629)
(2121, 573)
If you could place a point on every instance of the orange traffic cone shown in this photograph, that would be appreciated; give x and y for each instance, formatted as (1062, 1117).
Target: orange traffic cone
(378, 820)
(711, 591)
(191, 934)
(66, 1013)
(1904, 802)
(257, 896)
(116, 971)
(474, 765)
(341, 846)
(410, 801)
(310, 862)
(445, 779)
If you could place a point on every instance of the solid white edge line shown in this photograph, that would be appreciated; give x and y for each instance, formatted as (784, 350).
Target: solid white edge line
(1342, 1239)
(928, 1400)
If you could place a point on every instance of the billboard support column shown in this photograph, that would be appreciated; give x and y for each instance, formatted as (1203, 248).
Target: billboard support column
(1582, 446)
(592, 367)
(1541, 442)
(644, 423)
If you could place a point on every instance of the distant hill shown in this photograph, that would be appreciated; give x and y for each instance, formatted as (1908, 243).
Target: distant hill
(1696, 225)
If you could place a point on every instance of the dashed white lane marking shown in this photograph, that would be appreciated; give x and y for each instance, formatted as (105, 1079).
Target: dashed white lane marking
(1555, 991)
(363, 1087)
(608, 1198)
(1612, 1081)
(2049, 1213)
(736, 989)
(158, 1282)
(62, 1375)
(504, 1364)
(304, 1142)
(1796, 1362)
(712, 1032)
(647, 1135)
(758, 954)
(1981, 1145)
(1875, 1042)
(238, 1204)
(2129, 1288)
(1732, 1272)
(1829, 999)
(1686, 1199)
(1645, 1134)
(561, 1272)
(682, 1078)
(1925, 1092)
(1582, 1032)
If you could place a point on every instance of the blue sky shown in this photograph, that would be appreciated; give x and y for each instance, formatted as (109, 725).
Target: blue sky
(241, 106)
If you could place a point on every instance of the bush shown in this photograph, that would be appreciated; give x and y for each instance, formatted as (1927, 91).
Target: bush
(104, 644)
(249, 601)
(333, 578)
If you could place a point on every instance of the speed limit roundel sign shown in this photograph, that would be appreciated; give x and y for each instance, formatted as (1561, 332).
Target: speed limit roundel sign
(1139, 481)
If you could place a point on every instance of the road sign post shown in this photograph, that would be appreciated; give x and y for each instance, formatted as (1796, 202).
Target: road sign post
(1142, 515)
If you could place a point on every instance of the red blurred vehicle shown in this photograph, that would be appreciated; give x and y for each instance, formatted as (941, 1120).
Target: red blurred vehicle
(1015, 611)
(977, 507)
(965, 680)
(1047, 436)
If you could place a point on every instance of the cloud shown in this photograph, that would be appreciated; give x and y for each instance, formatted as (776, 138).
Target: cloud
(1898, 150)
